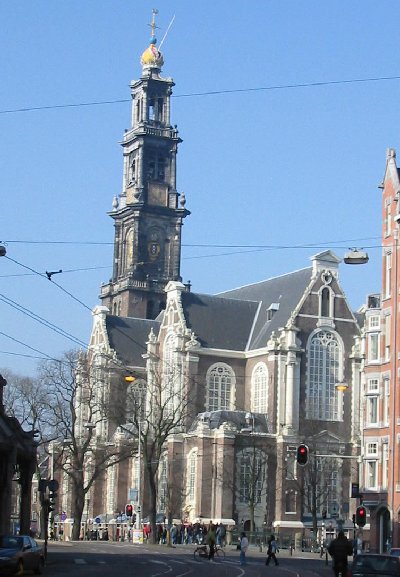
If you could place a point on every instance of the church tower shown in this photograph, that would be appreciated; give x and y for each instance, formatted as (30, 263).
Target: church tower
(148, 214)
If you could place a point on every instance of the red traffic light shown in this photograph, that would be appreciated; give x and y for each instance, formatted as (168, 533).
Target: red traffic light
(361, 516)
(128, 510)
(302, 454)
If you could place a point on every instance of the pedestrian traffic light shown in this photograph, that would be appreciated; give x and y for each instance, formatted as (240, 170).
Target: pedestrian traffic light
(302, 455)
(128, 510)
(361, 516)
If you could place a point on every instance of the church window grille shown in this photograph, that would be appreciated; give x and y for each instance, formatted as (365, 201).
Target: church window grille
(259, 387)
(325, 358)
(111, 484)
(163, 485)
(220, 387)
(172, 377)
(252, 465)
(136, 402)
(191, 476)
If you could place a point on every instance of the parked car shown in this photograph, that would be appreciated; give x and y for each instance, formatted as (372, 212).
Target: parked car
(375, 565)
(395, 551)
(19, 553)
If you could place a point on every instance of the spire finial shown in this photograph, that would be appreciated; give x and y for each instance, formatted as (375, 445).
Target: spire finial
(153, 24)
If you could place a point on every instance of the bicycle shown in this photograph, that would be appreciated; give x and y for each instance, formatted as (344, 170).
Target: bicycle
(202, 552)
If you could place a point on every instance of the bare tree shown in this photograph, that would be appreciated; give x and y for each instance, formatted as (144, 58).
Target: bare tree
(26, 399)
(155, 410)
(76, 407)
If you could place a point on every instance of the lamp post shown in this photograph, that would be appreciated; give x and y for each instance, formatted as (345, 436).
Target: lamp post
(131, 379)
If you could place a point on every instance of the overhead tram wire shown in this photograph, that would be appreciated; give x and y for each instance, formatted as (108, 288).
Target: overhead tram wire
(41, 320)
(53, 282)
(207, 93)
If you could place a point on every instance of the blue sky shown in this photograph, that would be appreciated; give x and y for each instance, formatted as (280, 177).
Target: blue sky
(295, 167)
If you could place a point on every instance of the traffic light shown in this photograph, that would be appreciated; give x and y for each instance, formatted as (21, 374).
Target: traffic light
(302, 455)
(128, 510)
(134, 518)
(361, 516)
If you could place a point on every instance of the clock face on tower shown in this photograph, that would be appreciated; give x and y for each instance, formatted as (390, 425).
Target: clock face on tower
(154, 246)
(154, 250)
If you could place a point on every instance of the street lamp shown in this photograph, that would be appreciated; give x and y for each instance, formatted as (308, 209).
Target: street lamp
(356, 256)
(131, 379)
(342, 387)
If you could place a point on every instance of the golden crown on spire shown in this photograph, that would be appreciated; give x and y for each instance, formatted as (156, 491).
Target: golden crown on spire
(152, 57)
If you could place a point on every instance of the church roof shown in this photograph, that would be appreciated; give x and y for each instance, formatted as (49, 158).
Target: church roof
(244, 318)
(128, 337)
(278, 297)
(219, 322)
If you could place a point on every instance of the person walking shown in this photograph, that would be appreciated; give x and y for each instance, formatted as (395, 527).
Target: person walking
(271, 551)
(339, 549)
(244, 545)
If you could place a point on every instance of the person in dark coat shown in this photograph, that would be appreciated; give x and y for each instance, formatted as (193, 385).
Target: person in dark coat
(339, 549)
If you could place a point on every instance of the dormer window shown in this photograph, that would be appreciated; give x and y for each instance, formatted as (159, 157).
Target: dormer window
(273, 307)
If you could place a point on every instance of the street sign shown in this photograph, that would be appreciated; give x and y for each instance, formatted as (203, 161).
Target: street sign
(97, 520)
(63, 516)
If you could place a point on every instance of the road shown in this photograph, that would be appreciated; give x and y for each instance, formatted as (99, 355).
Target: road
(105, 559)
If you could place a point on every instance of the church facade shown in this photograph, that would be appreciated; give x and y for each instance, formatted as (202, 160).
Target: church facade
(258, 366)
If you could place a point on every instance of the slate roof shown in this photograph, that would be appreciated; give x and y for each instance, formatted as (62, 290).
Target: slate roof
(128, 337)
(286, 290)
(238, 319)
(219, 322)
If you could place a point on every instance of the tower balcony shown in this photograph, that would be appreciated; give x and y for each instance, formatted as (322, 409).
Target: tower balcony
(146, 129)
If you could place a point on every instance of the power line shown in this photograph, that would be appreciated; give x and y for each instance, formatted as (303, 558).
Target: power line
(41, 320)
(206, 93)
(53, 282)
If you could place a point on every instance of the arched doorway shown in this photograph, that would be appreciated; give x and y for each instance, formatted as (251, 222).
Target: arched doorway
(382, 529)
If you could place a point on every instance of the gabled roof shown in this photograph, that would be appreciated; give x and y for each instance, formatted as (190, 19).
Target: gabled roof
(285, 290)
(219, 322)
(128, 337)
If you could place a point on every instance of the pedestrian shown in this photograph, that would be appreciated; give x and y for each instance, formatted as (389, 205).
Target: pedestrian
(272, 550)
(244, 545)
(339, 549)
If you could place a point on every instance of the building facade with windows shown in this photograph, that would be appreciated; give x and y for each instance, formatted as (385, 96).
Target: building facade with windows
(380, 469)
(258, 366)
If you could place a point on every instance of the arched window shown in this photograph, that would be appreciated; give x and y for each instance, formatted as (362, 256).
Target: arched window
(325, 360)
(163, 484)
(172, 377)
(220, 388)
(252, 475)
(259, 389)
(325, 302)
(129, 250)
(136, 402)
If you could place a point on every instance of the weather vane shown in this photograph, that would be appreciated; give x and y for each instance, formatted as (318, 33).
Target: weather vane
(153, 23)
